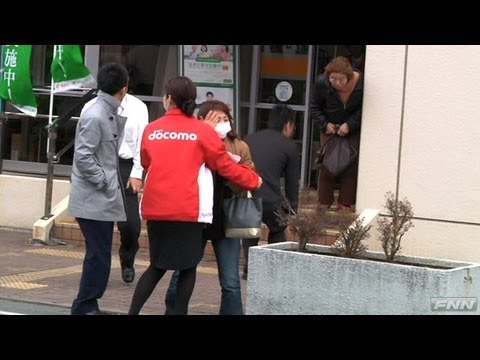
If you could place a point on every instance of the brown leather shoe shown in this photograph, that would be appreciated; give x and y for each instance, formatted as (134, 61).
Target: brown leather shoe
(344, 207)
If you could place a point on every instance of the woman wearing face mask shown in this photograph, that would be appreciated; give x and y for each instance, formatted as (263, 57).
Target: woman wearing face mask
(227, 250)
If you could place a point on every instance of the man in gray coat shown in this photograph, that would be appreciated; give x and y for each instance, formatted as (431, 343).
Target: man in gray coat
(96, 194)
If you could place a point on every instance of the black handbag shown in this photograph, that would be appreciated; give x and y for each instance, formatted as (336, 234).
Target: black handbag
(336, 155)
(243, 217)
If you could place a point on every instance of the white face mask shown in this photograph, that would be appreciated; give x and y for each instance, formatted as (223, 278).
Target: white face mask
(222, 129)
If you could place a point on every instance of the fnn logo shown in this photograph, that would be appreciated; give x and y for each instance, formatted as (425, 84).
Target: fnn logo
(454, 303)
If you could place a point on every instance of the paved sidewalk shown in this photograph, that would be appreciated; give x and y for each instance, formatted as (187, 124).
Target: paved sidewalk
(51, 274)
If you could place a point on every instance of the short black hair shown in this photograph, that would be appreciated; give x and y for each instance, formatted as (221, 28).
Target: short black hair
(112, 78)
(209, 93)
(280, 115)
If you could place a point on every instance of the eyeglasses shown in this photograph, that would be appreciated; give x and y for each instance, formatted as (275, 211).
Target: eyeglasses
(339, 79)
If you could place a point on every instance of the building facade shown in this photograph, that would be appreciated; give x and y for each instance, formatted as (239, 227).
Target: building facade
(259, 69)
(419, 129)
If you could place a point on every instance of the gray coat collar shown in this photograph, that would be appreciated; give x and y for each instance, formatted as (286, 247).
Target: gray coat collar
(110, 102)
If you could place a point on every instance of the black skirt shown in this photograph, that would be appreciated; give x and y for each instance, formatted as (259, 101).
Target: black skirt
(175, 245)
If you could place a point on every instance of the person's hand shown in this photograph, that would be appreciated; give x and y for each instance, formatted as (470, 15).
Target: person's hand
(212, 118)
(343, 130)
(330, 129)
(260, 182)
(236, 158)
(135, 184)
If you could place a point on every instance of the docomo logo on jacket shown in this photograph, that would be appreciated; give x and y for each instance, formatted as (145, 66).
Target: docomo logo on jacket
(172, 135)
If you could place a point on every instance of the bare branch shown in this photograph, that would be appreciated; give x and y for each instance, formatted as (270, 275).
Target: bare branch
(311, 221)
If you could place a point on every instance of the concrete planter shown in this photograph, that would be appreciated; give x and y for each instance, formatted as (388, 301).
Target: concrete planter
(282, 281)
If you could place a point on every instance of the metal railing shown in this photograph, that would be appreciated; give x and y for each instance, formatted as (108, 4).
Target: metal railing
(7, 115)
(52, 157)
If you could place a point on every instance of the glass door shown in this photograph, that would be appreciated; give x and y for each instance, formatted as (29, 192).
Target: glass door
(279, 74)
(321, 56)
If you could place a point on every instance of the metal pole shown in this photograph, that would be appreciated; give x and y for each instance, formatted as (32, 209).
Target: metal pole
(2, 102)
(51, 143)
(2, 121)
(2, 139)
(236, 88)
(52, 138)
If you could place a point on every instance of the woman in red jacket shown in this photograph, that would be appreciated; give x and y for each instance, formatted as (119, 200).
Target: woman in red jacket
(177, 152)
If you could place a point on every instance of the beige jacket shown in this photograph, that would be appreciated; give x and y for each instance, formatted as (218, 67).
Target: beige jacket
(239, 147)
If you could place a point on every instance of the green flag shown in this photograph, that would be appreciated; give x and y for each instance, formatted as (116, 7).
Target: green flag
(68, 70)
(16, 83)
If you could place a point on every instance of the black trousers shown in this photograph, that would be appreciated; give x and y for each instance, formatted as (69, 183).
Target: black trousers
(130, 229)
(96, 264)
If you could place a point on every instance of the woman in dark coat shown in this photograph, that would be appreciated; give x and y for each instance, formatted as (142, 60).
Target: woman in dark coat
(337, 105)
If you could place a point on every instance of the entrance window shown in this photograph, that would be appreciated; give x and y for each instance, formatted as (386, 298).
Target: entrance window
(242, 121)
(25, 137)
(266, 68)
(283, 63)
(273, 74)
(149, 66)
(245, 54)
(322, 55)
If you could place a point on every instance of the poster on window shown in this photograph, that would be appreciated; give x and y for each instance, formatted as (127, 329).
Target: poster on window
(206, 93)
(211, 68)
(209, 64)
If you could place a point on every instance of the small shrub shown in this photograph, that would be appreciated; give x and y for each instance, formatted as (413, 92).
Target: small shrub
(349, 244)
(395, 224)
